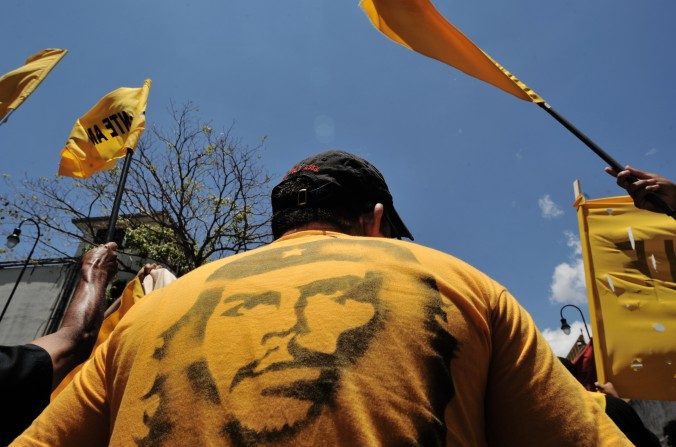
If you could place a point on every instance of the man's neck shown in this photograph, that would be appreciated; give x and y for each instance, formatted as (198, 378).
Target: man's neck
(318, 226)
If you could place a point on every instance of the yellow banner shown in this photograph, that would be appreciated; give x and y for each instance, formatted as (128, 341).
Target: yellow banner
(18, 84)
(417, 25)
(630, 268)
(104, 133)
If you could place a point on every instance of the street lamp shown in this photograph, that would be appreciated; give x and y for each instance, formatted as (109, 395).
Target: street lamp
(565, 327)
(12, 240)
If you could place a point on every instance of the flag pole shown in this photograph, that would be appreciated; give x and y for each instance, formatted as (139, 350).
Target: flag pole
(4, 120)
(617, 167)
(118, 196)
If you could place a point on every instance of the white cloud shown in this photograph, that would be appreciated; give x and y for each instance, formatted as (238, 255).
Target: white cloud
(549, 209)
(651, 152)
(568, 284)
(567, 287)
(573, 241)
(562, 343)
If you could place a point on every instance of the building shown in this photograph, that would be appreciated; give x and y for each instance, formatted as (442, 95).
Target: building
(40, 299)
(38, 304)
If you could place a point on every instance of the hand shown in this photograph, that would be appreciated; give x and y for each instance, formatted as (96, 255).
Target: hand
(606, 388)
(646, 183)
(99, 264)
(146, 269)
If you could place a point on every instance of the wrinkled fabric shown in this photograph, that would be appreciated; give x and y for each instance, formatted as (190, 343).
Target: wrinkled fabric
(325, 339)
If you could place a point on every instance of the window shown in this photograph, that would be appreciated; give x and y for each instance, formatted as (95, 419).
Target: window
(118, 236)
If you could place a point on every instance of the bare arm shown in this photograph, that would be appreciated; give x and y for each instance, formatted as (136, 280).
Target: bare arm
(646, 183)
(73, 342)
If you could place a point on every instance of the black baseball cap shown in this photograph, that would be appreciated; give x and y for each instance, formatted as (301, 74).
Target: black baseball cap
(339, 177)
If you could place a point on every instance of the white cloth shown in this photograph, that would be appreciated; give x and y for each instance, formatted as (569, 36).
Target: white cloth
(156, 279)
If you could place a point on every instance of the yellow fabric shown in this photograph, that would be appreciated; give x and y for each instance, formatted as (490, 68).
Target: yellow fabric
(326, 339)
(132, 292)
(599, 398)
(631, 288)
(18, 84)
(417, 25)
(105, 132)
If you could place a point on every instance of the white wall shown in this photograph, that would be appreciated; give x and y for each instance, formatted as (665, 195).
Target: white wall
(33, 301)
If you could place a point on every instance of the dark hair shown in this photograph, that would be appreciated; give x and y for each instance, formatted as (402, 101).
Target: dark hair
(339, 213)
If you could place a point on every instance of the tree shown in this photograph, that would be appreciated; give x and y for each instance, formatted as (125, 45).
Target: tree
(192, 194)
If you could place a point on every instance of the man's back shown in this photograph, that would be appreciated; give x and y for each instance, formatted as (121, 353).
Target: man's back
(326, 339)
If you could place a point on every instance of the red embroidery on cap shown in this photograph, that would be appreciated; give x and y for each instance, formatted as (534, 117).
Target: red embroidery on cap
(311, 168)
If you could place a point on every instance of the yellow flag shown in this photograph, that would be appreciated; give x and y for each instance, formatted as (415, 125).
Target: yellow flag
(417, 25)
(104, 133)
(630, 268)
(18, 84)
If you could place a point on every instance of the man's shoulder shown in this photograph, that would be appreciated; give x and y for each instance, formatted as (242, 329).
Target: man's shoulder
(452, 271)
(436, 258)
(309, 247)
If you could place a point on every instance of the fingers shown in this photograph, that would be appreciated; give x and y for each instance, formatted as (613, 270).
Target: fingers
(640, 184)
(639, 174)
(105, 249)
(101, 262)
(624, 177)
(146, 269)
(633, 179)
(611, 171)
(606, 388)
(107, 253)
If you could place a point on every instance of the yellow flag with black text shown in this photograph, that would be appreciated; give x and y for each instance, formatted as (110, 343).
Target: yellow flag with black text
(630, 270)
(417, 25)
(19, 83)
(103, 134)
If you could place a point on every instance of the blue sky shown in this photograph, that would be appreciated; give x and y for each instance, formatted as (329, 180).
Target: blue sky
(471, 167)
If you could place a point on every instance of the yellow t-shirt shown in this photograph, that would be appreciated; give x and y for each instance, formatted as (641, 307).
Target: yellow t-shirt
(326, 339)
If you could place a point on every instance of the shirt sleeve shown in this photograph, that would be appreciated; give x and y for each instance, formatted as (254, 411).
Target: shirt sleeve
(531, 398)
(25, 384)
(79, 414)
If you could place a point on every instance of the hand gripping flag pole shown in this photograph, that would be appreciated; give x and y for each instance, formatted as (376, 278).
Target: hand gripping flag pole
(418, 26)
(617, 167)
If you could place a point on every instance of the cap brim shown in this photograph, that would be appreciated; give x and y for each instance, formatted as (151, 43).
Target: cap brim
(398, 227)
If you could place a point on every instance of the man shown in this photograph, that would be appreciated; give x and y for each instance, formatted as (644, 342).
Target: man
(334, 334)
(29, 372)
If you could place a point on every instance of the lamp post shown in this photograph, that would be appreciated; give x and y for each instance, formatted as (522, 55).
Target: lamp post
(565, 327)
(12, 240)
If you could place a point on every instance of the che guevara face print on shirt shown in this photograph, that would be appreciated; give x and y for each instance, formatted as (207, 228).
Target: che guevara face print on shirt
(259, 349)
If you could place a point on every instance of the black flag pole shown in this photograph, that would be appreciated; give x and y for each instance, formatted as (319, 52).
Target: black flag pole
(617, 167)
(118, 195)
